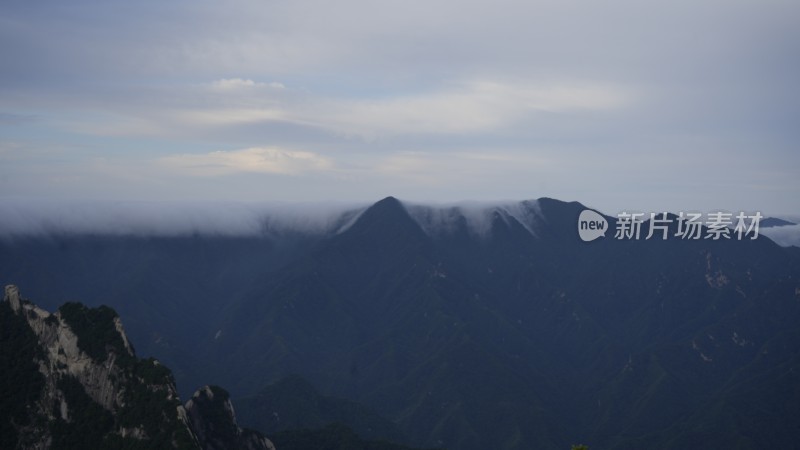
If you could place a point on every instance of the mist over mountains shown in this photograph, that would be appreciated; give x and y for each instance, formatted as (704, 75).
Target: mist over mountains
(26, 218)
(788, 235)
(465, 326)
(173, 219)
(176, 219)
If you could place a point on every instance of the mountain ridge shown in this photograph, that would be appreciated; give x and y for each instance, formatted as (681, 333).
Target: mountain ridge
(513, 335)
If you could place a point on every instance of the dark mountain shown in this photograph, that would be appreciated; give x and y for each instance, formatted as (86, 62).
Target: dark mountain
(771, 222)
(293, 404)
(211, 417)
(490, 327)
(71, 380)
(169, 289)
(331, 437)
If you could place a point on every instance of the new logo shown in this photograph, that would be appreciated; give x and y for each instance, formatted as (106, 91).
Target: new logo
(591, 225)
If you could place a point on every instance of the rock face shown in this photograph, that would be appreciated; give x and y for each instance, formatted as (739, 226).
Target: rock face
(211, 414)
(71, 379)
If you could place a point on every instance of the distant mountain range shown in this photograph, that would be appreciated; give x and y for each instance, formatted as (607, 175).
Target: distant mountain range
(464, 328)
(772, 222)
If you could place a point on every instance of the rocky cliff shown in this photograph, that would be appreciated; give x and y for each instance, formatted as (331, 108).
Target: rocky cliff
(71, 379)
(211, 414)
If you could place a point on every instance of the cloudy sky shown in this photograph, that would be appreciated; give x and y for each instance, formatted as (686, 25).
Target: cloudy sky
(673, 105)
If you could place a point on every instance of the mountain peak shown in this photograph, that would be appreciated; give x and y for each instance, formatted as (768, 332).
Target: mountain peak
(12, 297)
(388, 204)
(385, 228)
(386, 216)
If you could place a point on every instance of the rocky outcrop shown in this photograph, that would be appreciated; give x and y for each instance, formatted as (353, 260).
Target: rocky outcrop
(85, 388)
(94, 391)
(212, 417)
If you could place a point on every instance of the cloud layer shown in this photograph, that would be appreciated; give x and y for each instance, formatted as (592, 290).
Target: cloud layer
(22, 219)
(44, 218)
(675, 105)
(259, 160)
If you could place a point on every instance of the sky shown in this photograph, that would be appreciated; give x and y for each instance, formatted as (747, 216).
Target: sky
(621, 105)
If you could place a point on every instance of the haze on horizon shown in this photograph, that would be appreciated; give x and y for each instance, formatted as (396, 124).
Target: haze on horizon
(616, 104)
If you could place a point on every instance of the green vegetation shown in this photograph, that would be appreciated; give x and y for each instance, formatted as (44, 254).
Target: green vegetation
(21, 381)
(150, 403)
(95, 330)
(149, 407)
(146, 383)
(88, 424)
(51, 320)
(150, 371)
(213, 411)
(92, 426)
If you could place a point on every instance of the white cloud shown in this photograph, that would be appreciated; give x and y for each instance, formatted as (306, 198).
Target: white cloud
(257, 159)
(241, 83)
(468, 107)
(225, 116)
(234, 83)
(785, 235)
(170, 218)
(602, 89)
